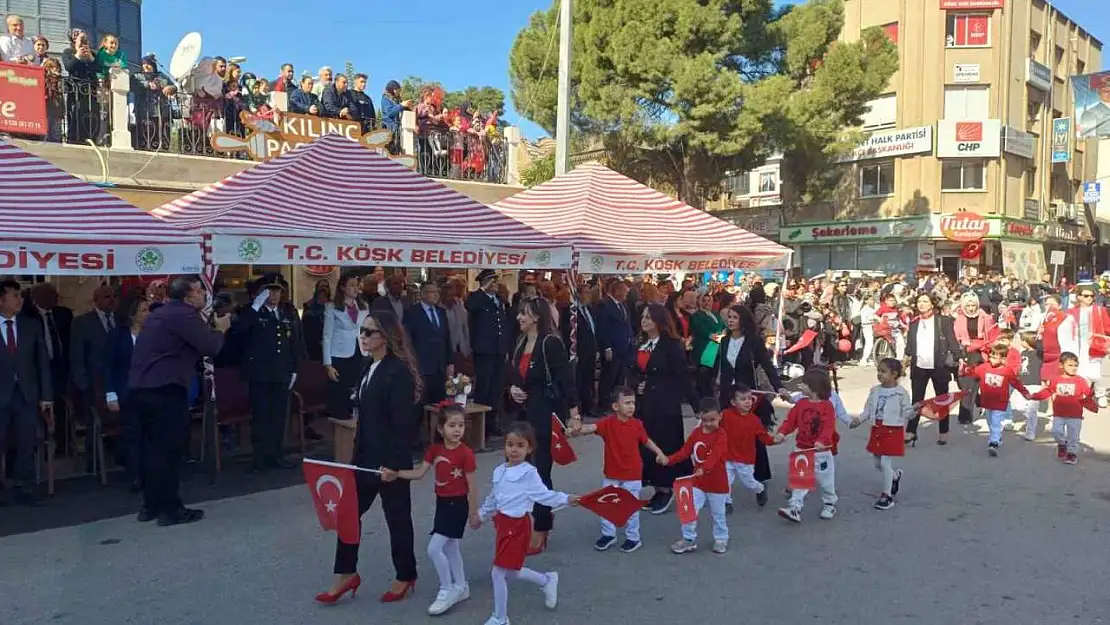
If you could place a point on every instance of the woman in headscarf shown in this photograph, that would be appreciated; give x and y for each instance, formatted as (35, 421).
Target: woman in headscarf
(972, 325)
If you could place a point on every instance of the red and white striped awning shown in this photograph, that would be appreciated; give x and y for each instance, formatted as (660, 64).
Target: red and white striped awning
(621, 226)
(336, 202)
(53, 223)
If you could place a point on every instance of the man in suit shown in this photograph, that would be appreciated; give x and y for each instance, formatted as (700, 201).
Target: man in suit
(426, 323)
(586, 367)
(489, 340)
(57, 324)
(394, 301)
(25, 386)
(614, 337)
(90, 332)
(268, 339)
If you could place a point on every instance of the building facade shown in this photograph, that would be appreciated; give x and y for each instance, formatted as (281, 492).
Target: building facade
(54, 19)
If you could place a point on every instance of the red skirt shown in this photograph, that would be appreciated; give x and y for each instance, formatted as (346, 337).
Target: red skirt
(513, 536)
(887, 440)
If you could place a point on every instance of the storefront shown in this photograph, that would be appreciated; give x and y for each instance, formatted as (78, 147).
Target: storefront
(886, 245)
(1014, 247)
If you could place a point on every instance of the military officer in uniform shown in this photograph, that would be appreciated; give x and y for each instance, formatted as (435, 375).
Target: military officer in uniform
(489, 340)
(267, 336)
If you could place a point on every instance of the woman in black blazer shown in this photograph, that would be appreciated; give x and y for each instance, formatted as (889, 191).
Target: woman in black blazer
(542, 382)
(742, 351)
(662, 382)
(931, 357)
(387, 396)
(118, 347)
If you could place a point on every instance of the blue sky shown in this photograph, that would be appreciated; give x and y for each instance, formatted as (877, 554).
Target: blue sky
(456, 43)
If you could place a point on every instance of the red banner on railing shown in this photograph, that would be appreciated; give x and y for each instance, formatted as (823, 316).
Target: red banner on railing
(22, 99)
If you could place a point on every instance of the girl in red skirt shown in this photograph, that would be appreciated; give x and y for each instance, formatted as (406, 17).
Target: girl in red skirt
(516, 487)
(889, 408)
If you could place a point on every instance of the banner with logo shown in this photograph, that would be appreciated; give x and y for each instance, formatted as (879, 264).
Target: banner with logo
(969, 139)
(899, 142)
(1092, 105)
(22, 99)
(1024, 260)
(1061, 140)
(66, 259)
(597, 262)
(961, 5)
(238, 250)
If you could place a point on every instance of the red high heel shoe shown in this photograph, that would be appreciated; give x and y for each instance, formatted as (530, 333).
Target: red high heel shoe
(351, 585)
(535, 551)
(392, 597)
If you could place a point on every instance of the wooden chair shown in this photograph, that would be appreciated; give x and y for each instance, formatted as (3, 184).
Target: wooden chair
(44, 459)
(233, 406)
(108, 424)
(309, 396)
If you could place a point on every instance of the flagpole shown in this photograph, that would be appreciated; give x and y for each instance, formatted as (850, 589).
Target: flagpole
(339, 465)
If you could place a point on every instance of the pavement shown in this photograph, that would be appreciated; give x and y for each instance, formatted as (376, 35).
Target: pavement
(1018, 539)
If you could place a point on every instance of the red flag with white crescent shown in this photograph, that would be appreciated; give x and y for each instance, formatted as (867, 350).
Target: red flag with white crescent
(938, 407)
(684, 499)
(802, 474)
(335, 497)
(804, 341)
(986, 342)
(612, 503)
(561, 451)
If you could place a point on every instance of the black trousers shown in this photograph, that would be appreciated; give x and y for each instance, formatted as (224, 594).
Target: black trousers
(435, 388)
(489, 385)
(132, 438)
(269, 409)
(585, 372)
(969, 405)
(163, 415)
(704, 377)
(614, 373)
(919, 380)
(23, 420)
(396, 499)
(542, 518)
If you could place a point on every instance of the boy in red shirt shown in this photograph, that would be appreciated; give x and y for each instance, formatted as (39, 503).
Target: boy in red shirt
(814, 419)
(623, 435)
(996, 379)
(706, 446)
(1070, 394)
(742, 429)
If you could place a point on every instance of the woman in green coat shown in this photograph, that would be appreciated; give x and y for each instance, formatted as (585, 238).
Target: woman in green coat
(706, 330)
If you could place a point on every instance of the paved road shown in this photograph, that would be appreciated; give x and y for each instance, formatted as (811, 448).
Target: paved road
(1019, 539)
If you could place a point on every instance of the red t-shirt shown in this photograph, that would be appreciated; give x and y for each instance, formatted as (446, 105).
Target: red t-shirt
(742, 430)
(995, 385)
(450, 467)
(815, 422)
(707, 449)
(1070, 395)
(622, 447)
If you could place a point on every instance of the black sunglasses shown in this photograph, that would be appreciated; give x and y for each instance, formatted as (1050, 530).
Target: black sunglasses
(368, 332)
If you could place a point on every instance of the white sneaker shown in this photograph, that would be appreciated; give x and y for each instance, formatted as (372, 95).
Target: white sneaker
(445, 599)
(828, 511)
(791, 514)
(493, 620)
(551, 591)
(720, 546)
(464, 592)
(1029, 436)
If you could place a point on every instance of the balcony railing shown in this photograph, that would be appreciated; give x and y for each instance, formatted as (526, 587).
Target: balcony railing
(78, 111)
(461, 156)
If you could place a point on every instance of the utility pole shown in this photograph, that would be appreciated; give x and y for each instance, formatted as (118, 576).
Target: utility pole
(562, 118)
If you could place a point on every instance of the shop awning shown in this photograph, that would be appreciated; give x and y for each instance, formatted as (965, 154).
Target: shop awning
(621, 226)
(53, 223)
(336, 202)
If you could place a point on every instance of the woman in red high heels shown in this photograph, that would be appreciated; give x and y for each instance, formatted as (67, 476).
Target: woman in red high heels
(387, 397)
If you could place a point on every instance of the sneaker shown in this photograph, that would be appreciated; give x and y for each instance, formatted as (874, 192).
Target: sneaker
(493, 620)
(551, 591)
(828, 512)
(884, 503)
(897, 484)
(728, 508)
(146, 515)
(663, 503)
(628, 546)
(649, 503)
(1071, 459)
(1061, 451)
(1029, 436)
(684, 546)
(605, 542)
(992, 450)
(761, 498)
(464, 591)
(445, 599)
(720, 546)
(791, 514)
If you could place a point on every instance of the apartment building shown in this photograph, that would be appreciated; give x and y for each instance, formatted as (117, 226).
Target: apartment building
(53, 19)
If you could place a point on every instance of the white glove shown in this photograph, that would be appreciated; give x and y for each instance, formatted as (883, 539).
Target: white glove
(292, 381)
(260, 299)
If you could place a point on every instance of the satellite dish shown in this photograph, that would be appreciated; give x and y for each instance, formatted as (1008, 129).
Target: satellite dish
(237, 59)
(185, 56)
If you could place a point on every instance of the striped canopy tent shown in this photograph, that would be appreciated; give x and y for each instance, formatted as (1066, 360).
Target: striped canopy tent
(619, 226)
(53, 223)
(336, 202)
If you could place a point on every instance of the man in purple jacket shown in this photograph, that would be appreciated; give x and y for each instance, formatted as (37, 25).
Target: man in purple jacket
(172, 340)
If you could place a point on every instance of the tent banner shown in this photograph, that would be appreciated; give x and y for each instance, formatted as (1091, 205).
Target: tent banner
(598, 262)
(262, 250)
(62, 258)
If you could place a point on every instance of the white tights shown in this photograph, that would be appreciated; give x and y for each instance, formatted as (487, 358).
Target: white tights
(501, 588)
(886, 466)
(447, 559)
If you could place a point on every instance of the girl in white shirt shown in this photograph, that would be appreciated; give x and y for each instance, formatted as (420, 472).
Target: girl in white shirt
(867, 329)
(889, 408)
(516, 487)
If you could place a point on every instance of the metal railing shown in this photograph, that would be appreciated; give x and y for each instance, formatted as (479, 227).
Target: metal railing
(461, 156)
(78, 111)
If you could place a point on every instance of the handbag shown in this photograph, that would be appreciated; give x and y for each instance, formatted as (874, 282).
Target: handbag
(709, 354)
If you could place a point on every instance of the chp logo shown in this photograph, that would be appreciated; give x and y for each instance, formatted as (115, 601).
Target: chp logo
(149, 259)
(250, 250)
(964, 227)
(969, 136)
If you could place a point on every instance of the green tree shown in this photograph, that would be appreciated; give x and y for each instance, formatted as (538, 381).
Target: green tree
(349, 71)
(692, 89)
(487, 99)
(539, 172)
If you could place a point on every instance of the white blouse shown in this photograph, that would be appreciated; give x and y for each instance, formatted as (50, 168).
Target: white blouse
(734, 345)
(516, 489)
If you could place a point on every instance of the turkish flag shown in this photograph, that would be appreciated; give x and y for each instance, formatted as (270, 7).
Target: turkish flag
(804, 341)
(981, 345)
(335, 496)
(802, 475)
(612, 503)
(561, 451)
(938, 407)
(684, 499)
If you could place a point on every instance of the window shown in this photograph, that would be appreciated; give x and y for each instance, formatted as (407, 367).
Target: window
(963, 176)
(740, 184)
(1080, 68)
(876, 179)
(1034, 111)
(767, 182)
(968, 30)
(882, 112)
(972, 102)
(1060, 68)
(891, 31)
(1034, 45)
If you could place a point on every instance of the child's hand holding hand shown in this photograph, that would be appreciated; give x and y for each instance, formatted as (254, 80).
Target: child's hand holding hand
(699, 472)
(779, 437)
(388, 475)
(573, 500)
(661, 459)
(854, 424)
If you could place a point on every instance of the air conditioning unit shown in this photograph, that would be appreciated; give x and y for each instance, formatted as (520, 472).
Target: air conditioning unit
(1056, 209)
(1072, 211)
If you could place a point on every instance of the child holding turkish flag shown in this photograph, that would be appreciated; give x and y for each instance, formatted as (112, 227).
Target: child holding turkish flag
(814, 420)
(996, 379)
(1070, 393)
(706, 446)
(623, 435)
(889, 407)
(742, 429)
